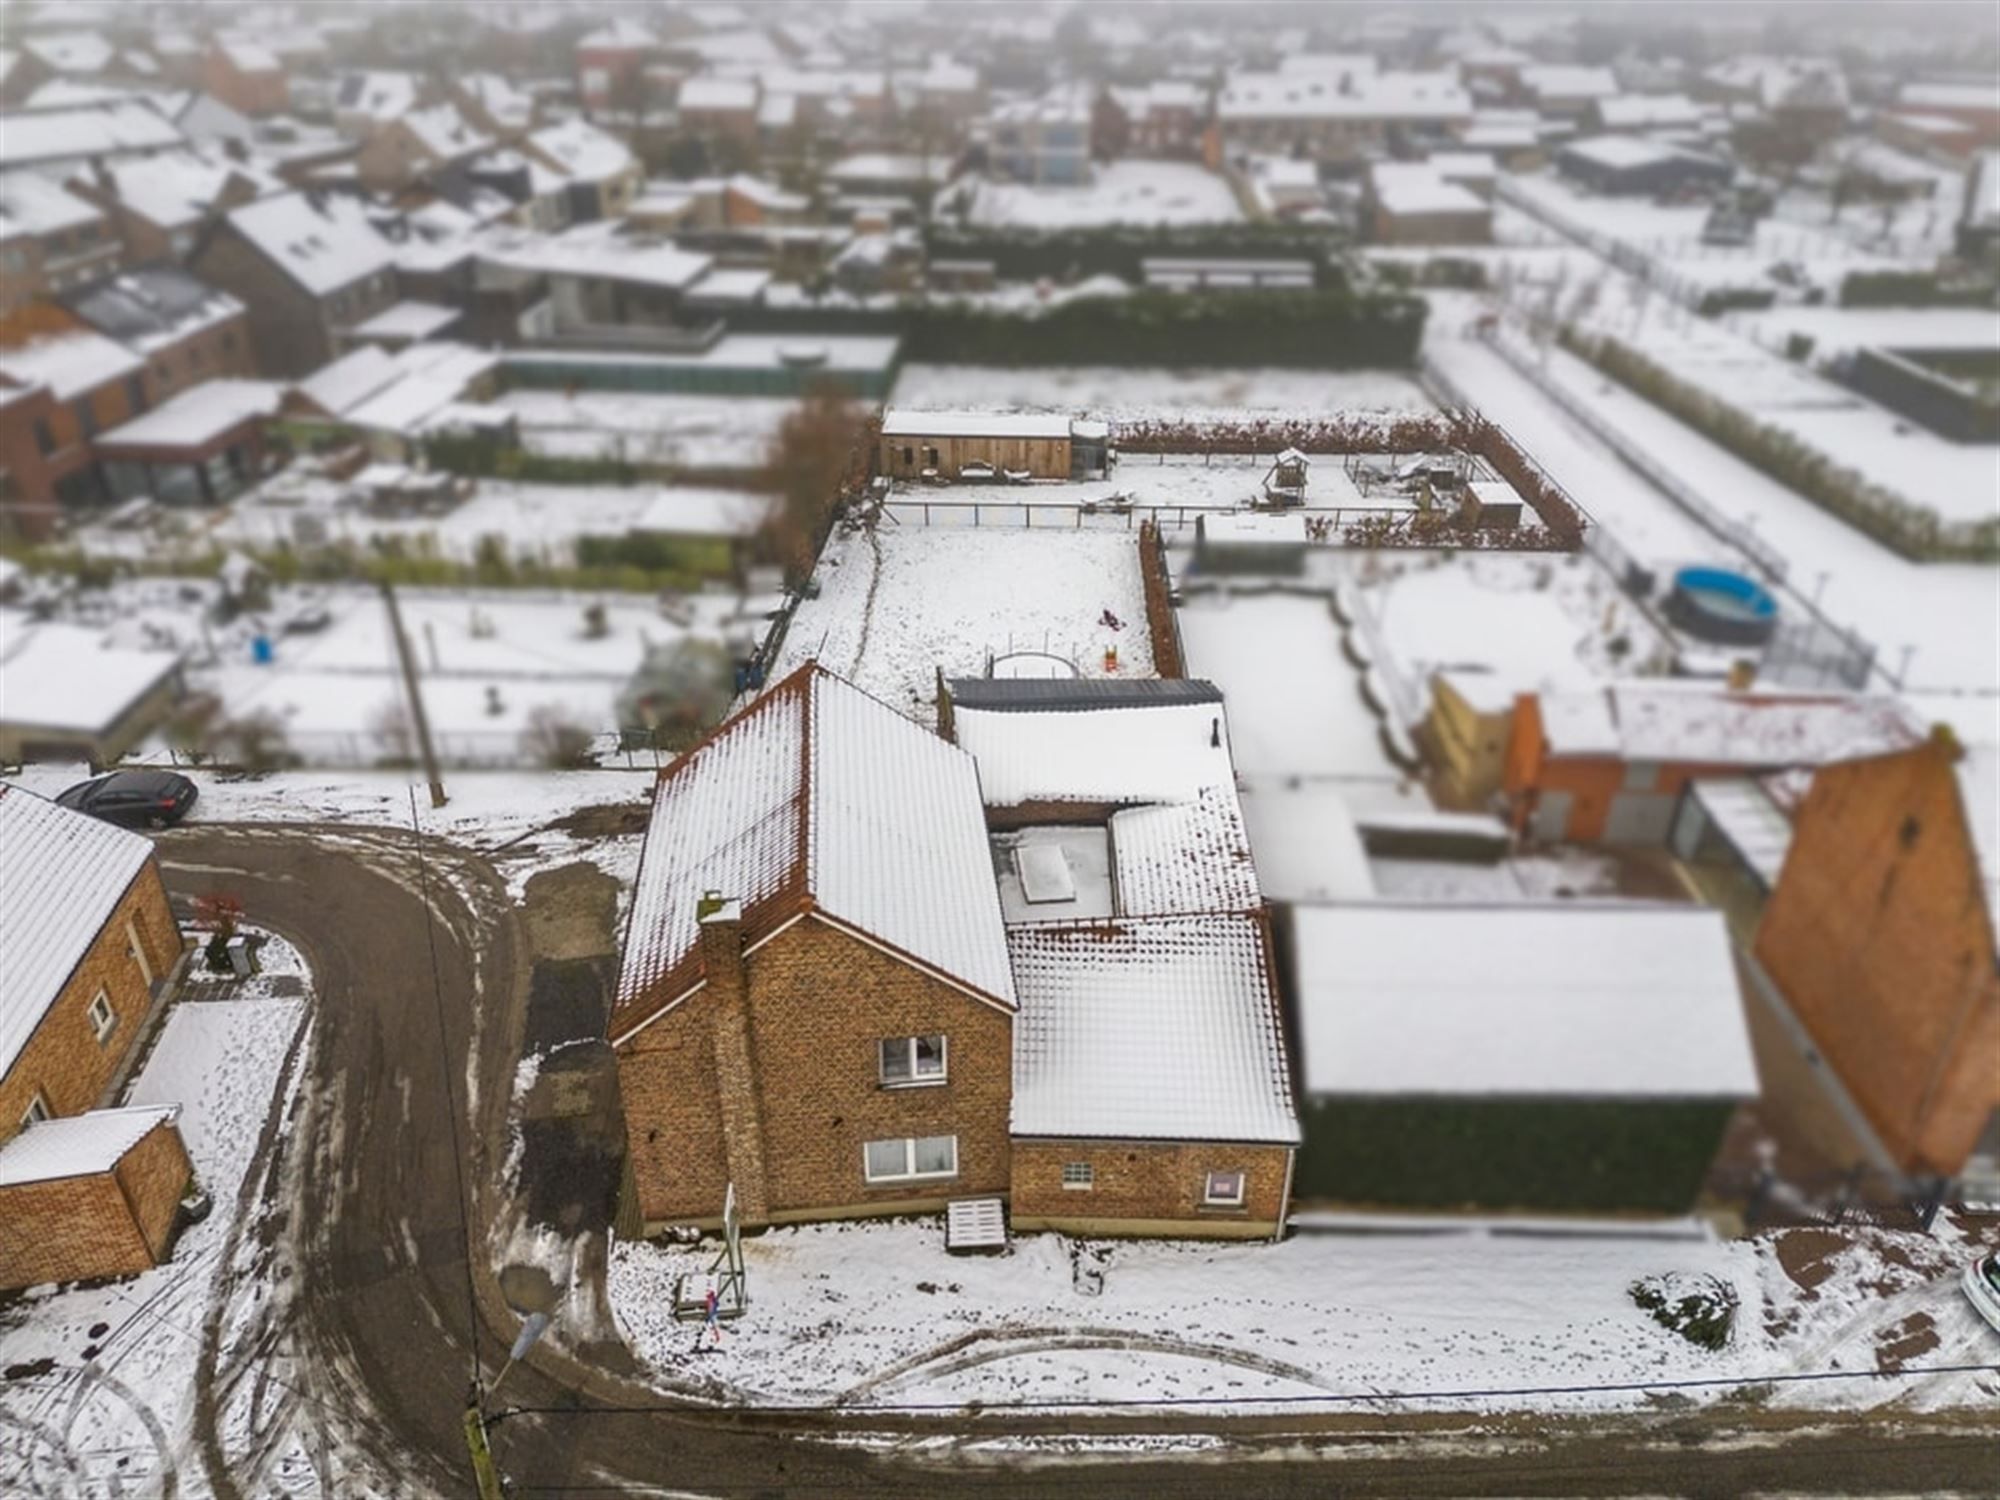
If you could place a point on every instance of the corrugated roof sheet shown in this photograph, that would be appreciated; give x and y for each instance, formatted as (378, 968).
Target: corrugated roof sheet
(61, 874)
(1159, 1028)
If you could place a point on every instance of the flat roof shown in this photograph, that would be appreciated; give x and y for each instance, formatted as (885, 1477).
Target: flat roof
(902, 422)
(1612, 1000)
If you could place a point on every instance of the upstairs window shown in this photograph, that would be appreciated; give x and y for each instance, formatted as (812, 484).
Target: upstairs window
(37, 1111)
(908, 1060)
(103, 1019)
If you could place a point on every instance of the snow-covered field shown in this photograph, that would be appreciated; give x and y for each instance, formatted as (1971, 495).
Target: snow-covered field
(114, 1412)
(899, 605)
(1116, 394)
(1119, 192)
(873, 1314)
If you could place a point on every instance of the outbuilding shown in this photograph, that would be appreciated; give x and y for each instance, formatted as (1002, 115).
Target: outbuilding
(1623, 165)
(983, 445)
(1568, 1057)
(92, 1195)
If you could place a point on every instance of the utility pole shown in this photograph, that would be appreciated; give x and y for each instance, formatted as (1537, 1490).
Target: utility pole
(418, 720)
(483, 1472)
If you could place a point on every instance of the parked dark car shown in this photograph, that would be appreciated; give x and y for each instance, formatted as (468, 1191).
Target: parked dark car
(134, 799)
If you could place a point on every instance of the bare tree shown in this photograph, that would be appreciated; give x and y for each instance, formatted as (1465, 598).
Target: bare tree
(820, 456)
(555, 741)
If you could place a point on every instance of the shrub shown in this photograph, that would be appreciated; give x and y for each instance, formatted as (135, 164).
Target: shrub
(1699, 1307)
(554, 741)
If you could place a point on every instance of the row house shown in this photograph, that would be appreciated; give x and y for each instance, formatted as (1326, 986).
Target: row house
(825, 1005)
(186, 331)
(245, 75)
(58, 142)
(1165, 118)
(50, 240)
(723, 111)
(1341, 116)
(610, 60)
(416, 145)
(85, 1191)
(307, 266)
(158, 206)
(601, 175)
(61, 384)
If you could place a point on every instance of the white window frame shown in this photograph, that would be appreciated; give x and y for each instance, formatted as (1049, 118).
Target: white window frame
(1212, 1199)
(884, 1049)
(1078, 1176)
(37, 1111)
(139, 951)
(909, 1172)
(102, 1029)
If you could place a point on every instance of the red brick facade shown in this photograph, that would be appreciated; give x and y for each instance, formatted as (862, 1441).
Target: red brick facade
(1879, 934)
(774, 1083)
(1148, 1187)
(107, 1224)
(64, 1062)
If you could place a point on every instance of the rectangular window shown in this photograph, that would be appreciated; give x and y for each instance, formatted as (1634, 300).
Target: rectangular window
(909, 1060)
(38, 1111)
(45, 438)
(1079, 1175)
(1223, 1190)
(911, 1158)
(102, 1017)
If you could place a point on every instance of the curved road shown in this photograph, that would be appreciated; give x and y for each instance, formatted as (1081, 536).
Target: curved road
(364, 1191)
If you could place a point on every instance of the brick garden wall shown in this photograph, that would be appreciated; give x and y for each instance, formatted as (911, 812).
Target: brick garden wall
(1161, 627)
(63, 1058)
(1142, 1186)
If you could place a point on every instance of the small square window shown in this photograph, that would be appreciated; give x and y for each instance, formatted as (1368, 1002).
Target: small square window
(1080, 1175)
(1223, 1190)
(102, 1017)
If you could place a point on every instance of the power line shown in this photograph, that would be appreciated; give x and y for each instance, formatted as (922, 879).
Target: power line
(1332, 1398)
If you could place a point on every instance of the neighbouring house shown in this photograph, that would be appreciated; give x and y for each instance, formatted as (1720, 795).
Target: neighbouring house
(493, 103)
(1571, 1057)
(202, 447)
(1880, 930)
(1564, 91)
(1971, 105)
(307, 266)
(944, 444)
(416, 144)
(57, 142)
(185, 330)
(1163, 118)
(878, 174)
(65, 695)
(749, 202)
(364, 102)
(245, 75)
(1627, 165)
(90, 382)
(609, 61)
(51, 240)
(601, 174)
(1343, 111)
(722, 111)
(1610, 764)
(157, 205)
(1411, 203)
(1044, 140)
(90, 944)
(815, 1003)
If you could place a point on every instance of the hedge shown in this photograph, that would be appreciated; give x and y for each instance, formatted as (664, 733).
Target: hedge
(1023, 254)
(1567, 1155)
(1914, 289)
(1915, 531)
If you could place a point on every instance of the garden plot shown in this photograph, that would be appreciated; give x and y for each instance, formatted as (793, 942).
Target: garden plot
(873, 1314)
(899, 605)
(1115, 394)
(691, 433)
(1119, 192)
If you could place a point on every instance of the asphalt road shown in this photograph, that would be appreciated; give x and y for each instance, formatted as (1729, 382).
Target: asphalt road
(386, 1323)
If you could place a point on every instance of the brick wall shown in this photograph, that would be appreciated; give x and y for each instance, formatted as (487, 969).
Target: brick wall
(63, 1058)
(1161, 627)
(289, 327)
(1147, 1187)
(1878, 934)
(77, 1227)
(819, 1001)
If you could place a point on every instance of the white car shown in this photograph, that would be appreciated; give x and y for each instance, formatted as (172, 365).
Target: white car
(1982, 1286)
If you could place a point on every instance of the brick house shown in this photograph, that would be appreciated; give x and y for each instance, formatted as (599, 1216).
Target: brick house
(815, 1002)
(245, 75)
(50, 240)
(1880, 930)
(418, 144)
(308, 268)
(90, 942)
(88, 383)
(158, 206)
(602, 176)
(185, 330)
(1611, 763)
(609, 61)
(723, 112)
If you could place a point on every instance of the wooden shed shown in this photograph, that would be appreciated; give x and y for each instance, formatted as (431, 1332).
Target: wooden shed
(991, 445)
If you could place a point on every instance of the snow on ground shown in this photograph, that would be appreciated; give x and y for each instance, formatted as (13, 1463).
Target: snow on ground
(898, 604)
(1115, 394)
(677, 431)
(114, 1414)
(876, 1313)
(1119, 192)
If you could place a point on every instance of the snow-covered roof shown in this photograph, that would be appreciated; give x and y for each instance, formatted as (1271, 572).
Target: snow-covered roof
(708, 92)
(197, 415)
(69, 362)
(152, 306)
(174, 189)
(31, 205)
(766, 194)
(348, 381)
(1133, 753)
(72, 134)
(617, 35)
(61, 875)
(583, 151)
(1643, 111)
(903, 422)
(595, 249)
(1251, 528)
(248, 55)
(79, 1145)
(1619, 1000)
(378, 95)
(1622, 152)
(1308, 96)
(817, 796)
(409, 319)
(1177, 857)
(444, 133)
(430, 377)
(1698, 724)
(509, 107)
(1758, 829)
(323, 246)
(881, 166)
(70, 51)
(1417, 188)
(1980, 96)
(1158, 1028)
(1565, 82)
(63, 677)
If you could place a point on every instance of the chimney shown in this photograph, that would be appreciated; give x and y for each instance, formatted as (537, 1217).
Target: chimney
(736, 1072)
